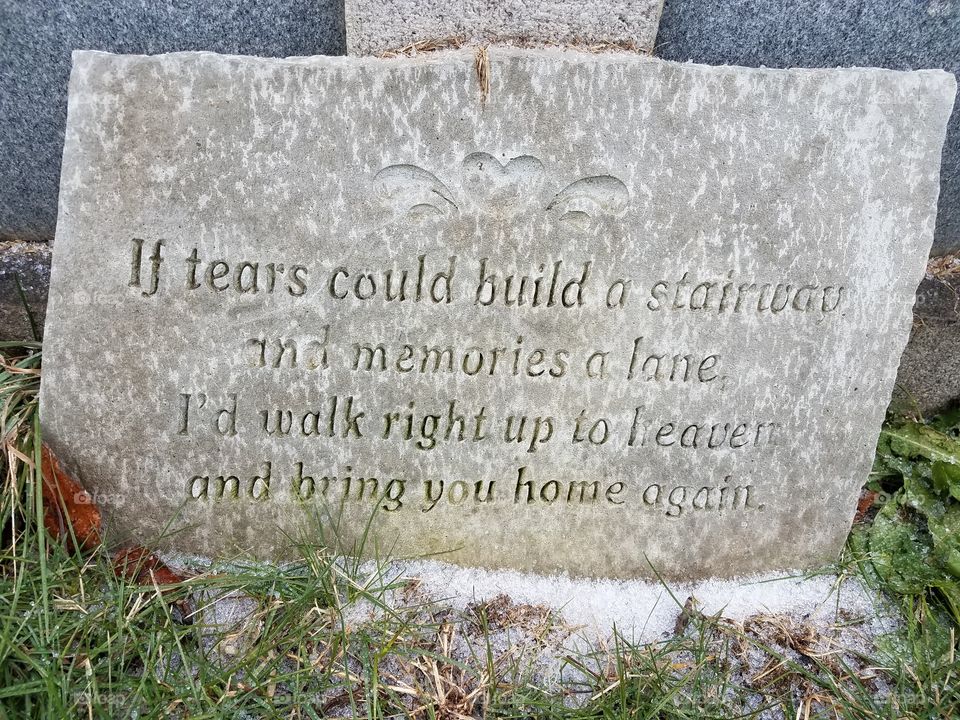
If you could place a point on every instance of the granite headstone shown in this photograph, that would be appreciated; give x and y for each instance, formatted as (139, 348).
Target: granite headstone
(578, 312)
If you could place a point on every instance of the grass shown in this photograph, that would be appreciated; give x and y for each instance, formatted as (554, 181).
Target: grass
(297, 641)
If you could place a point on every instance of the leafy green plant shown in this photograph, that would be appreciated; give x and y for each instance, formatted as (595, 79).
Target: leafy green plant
(914, 541)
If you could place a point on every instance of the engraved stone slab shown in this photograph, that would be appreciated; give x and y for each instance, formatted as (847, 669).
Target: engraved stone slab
(604, 312)
(377, 26)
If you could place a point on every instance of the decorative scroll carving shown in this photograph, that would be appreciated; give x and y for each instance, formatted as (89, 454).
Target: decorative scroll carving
(494, 186)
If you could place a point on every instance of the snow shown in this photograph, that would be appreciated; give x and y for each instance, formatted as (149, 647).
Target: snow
(645, 611)
(642, 611)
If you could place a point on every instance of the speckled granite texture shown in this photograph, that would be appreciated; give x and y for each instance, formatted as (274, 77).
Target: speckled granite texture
(24, 281)
(612, 312)
(929, 377)
(910, 35)
(376, 26)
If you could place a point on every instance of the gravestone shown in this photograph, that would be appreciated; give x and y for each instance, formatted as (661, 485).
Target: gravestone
(374, 26)
(544, 310)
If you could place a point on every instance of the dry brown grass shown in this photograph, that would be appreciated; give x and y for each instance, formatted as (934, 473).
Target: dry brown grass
(945, 267)
(425, 46)
(482, 67)
(456, 42)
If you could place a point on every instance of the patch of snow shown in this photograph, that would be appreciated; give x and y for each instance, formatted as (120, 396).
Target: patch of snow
(645, 611)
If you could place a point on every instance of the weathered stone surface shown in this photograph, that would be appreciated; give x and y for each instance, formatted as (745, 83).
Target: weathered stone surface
(37, 37)
(24, 277)
(720, 267)
(828, 33)
(374, 26)
(929, 377)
